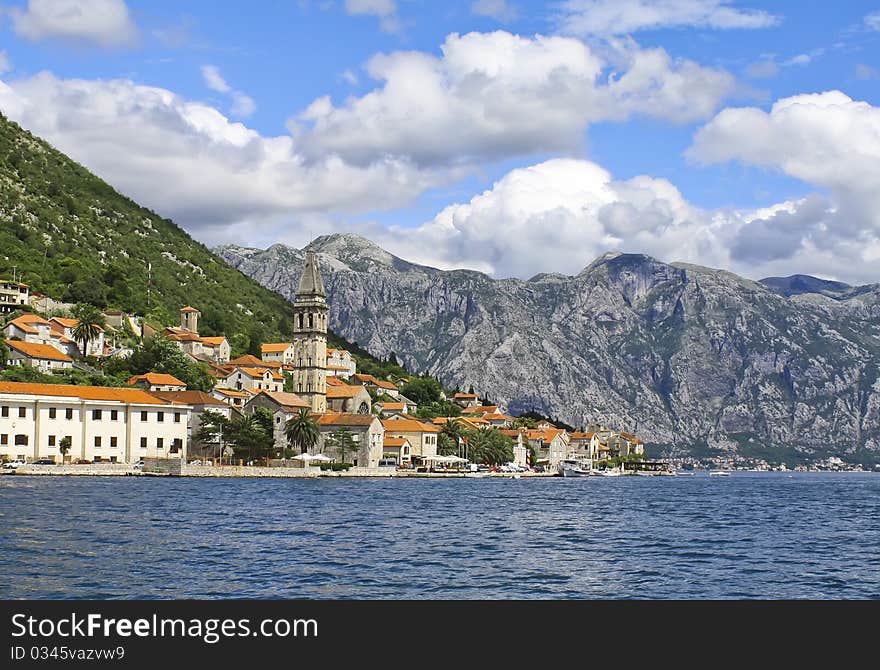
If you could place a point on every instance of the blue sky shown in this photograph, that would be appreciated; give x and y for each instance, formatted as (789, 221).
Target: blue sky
(343, 167)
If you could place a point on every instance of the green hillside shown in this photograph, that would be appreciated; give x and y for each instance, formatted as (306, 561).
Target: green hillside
(75, 238)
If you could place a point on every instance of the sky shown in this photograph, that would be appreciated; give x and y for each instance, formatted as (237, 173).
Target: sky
(508, 136)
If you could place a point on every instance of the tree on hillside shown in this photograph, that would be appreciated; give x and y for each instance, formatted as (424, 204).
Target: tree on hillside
(159, 354)
(423, 390)
(4, 353)
(89, 324)
(302, 431)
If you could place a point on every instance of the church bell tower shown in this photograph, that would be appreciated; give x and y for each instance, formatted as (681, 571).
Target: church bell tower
(310, 337)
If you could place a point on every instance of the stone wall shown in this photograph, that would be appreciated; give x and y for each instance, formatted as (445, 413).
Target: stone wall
(93, 469)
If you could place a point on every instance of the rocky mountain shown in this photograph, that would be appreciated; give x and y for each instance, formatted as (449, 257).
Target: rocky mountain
(689, 357)
(804, 284)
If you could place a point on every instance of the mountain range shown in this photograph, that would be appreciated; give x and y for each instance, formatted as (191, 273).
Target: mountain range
(696, 360)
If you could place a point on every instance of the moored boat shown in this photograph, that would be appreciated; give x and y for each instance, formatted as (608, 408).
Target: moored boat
(576, 467)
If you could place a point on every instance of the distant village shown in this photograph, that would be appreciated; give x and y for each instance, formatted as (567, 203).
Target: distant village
(356, 418)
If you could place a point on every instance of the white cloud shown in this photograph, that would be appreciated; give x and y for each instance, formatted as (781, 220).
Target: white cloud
(242, 104)
(500, 10)
(104, 23)
(828, 141)
(350, 77)
(189, 162)
(5, 64)
(619, 17)
(496, 95)
(559, 215)
(213, 80)
(385, 10)
(872, 21)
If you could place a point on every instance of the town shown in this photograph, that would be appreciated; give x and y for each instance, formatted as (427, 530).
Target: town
(301, 404)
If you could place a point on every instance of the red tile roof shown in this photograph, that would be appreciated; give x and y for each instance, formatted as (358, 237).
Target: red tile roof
(44, 352)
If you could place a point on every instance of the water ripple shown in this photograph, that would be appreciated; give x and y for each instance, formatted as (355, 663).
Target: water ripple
(749, 536)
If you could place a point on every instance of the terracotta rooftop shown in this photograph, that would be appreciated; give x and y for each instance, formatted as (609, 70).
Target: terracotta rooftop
(156, 379)
(275, 348)
(336, 392)
(345, 419)
(134, 396)
(42, 351)
(408, 426)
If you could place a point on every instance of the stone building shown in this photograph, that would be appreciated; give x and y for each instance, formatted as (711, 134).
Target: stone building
(310, 337)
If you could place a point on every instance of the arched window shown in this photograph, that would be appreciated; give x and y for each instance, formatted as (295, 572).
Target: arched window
(364, 408)
(299, 320)
(311, 321)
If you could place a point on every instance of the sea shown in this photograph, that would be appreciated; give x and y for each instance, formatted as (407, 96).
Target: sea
(773, 535)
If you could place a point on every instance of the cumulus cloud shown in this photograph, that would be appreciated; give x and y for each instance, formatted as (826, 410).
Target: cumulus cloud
(557, 216)
(500, 10)
(188, 161)
(386, 10)
(242, 104)
(496, 95)
(827, 140)
(618, 17)
(5, 64)
(103, 23)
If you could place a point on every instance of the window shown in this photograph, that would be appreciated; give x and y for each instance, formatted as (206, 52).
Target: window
(4, 412)
(51, 440)
(68, 413)
(160, 443)
(52, 412)
(97, 442)
(21, 440)
(160, 417)
(21, 412)
(176, 446)
(96, 414)
(177, 417)
(114, 415)
(143, 443)
(143, 416)
(4, 439)
(113, 442)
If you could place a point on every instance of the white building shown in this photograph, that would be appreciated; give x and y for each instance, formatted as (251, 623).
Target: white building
(13, 294)
(62, 331)
(279, 352)
(43, 357)
(100, 423)
(157, 381)
(340, 364)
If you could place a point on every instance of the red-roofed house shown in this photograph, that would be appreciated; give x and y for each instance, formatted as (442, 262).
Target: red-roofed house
(44, 357)
(156, 381)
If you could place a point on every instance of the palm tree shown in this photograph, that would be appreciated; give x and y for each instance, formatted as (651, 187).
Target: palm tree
(89, 324)
(64, 446)
(302, 431)
(450, 438)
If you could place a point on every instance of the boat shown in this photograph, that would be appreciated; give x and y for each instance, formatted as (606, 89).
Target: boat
(576, 467)
(613, 472)
(719, 473)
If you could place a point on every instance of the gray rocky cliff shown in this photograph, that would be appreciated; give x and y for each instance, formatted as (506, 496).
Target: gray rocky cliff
(690, 358)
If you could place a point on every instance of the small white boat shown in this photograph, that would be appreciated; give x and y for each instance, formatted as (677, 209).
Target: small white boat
(572, 467)
(610, 473)
(719, 473)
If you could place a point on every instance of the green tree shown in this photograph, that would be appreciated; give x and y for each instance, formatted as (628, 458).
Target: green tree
(489, 446)
(4, 353)
(89, 324)
(450, 436)
(423, 390)
(212, 428)
(159, 354)
(64, 446)
(342, 442)
(302, 431)
(248, 437)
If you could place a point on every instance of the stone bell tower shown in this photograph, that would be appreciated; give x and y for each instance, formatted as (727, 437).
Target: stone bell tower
(310, 337)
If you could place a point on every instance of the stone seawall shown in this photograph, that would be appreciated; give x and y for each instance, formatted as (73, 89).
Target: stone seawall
(92, 469)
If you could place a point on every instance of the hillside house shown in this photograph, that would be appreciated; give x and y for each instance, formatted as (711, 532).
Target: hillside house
(43, 357)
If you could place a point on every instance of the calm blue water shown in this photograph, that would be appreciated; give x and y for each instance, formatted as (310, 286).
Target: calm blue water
(751, 535)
